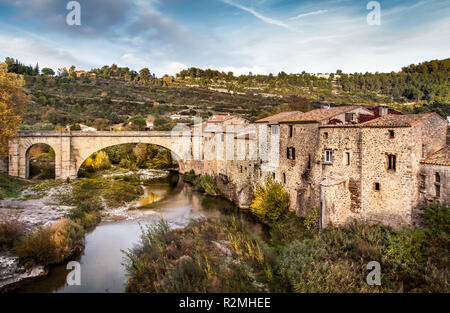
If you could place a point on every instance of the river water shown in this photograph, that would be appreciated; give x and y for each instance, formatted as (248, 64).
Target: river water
(101, 260)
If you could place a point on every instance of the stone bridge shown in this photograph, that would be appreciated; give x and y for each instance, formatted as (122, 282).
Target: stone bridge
(72, 148)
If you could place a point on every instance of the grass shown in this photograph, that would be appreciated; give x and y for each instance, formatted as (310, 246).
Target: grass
(50, 245)
(114, 192)
(11, 187)
(11, 228)
(207, 256)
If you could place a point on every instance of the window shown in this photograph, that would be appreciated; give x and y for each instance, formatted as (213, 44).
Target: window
(284, 178)
(309, 161)
(438, 190)
(377, 186)
(349, 117)
(328, 156)
(308, 191)
(347, 158)
(325, 135)
(437, 185)
(241, 169)
(273, 175)
(422, 181)
(391, 134)
(290, 153)
(274, 129)
(437, 178)
(291, 130)
(392, 162)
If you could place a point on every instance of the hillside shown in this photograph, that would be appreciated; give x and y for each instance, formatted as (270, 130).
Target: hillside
(112, 95)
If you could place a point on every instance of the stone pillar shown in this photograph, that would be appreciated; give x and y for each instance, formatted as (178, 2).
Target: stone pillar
(14, 159)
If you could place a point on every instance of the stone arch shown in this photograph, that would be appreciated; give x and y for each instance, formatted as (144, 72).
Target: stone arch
(28, 159)
(86, 152)
(24, 155)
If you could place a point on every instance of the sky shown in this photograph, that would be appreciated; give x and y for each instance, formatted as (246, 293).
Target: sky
(242, 36)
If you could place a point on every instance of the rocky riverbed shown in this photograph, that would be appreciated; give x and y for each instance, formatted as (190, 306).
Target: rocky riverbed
(39, 205)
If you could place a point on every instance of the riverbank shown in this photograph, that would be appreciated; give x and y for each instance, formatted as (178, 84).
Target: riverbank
(34, 209)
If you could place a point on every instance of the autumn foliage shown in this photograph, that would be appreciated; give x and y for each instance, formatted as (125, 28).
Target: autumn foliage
(12, 105)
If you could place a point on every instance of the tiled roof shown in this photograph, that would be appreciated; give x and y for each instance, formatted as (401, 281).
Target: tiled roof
(320, 114)
(274, 119)
(394, 120)
(440, 157)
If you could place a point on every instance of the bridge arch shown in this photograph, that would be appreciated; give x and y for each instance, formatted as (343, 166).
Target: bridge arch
(28, 159)
(87, 153)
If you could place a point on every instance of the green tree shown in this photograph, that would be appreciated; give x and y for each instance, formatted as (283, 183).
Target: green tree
(48, 71)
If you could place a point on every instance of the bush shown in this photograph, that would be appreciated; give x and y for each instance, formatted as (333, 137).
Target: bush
(407, 251)
(10, 230)
(207, 184)
(50, 245)
(271, 202)
(207, 256)
(436, 218)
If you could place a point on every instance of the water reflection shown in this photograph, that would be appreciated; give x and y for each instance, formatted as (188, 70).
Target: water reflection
(101, 269)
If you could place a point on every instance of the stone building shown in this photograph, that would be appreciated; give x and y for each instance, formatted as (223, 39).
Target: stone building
(352, 162)
(434, 177)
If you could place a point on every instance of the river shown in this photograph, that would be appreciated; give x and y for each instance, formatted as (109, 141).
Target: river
(101, 261)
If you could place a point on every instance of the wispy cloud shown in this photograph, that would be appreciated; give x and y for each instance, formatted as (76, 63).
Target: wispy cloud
(259, 15)
(308, 14)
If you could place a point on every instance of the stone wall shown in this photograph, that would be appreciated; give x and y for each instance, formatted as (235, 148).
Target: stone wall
(428, 181)
(300, 176)
(341, 185)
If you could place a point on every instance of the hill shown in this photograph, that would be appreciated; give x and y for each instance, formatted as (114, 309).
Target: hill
(112, 95)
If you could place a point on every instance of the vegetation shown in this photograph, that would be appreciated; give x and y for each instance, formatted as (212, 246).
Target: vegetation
(12, 106)
(10, 230)
(50, 245)
(202, 183)
(114, 95)
(202, 257)
(271, 202)
(11, 187)
(207, 256)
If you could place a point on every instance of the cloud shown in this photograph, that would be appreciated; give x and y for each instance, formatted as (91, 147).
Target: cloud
(308, 14)
(30, 51)
(97, 16)
(265, 19)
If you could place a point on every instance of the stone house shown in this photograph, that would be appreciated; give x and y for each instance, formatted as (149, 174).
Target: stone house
(299, 152)
(352, 162)
(434, 177)
(371, 171)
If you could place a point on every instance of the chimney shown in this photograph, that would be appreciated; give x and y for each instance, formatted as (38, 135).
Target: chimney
(382, 111)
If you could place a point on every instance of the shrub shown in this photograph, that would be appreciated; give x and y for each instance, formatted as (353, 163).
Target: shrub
(436, 218)
(50, 245)
(207, 184)
(406, 250)
(207, 256)
(10, 230)
(312, 220)
(271, 202)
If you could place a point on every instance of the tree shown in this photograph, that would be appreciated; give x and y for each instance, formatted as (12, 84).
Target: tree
(138, 123)
(144, 75)
(271, 201)
(12, 106)
(48, 71)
